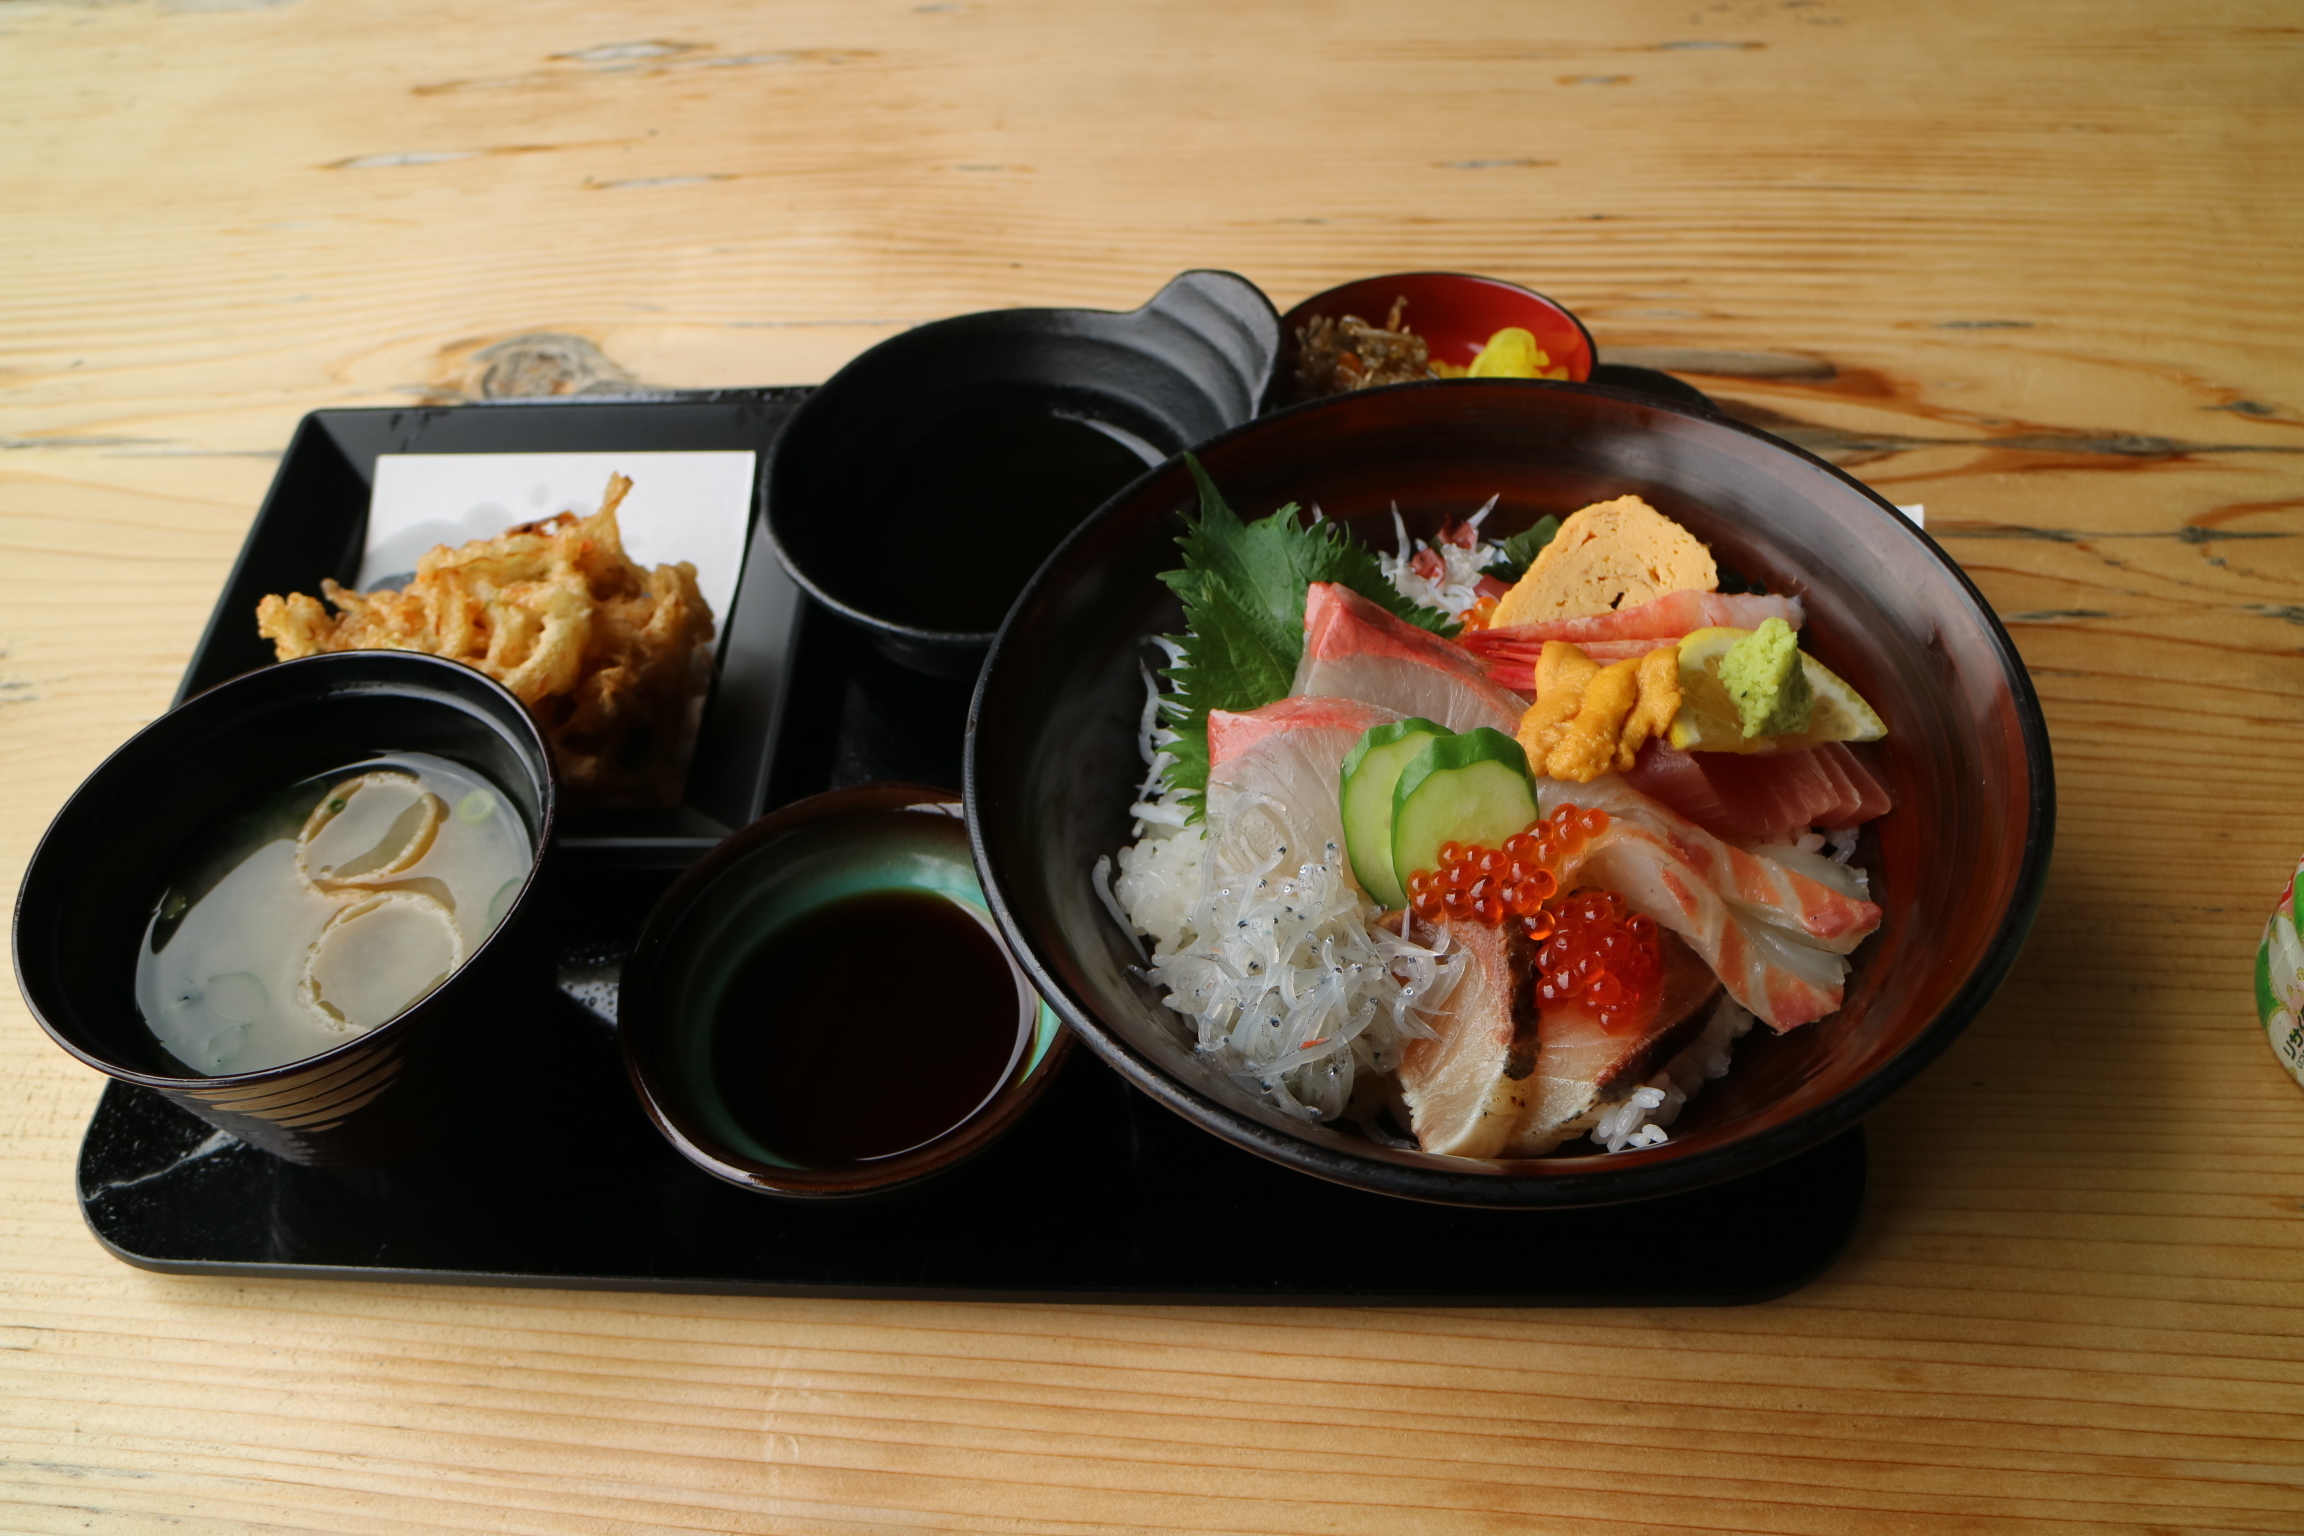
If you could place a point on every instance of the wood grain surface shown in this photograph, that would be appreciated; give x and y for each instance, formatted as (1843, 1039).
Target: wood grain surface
(2036, 266)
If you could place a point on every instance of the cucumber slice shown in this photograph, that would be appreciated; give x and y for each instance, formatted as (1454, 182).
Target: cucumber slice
(1472, 788)
(1364, 794)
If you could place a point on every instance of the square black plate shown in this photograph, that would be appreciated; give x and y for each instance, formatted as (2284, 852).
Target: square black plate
(1097, 1194)
(314, 523)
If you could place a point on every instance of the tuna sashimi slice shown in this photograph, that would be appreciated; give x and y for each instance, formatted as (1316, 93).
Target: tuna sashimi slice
(1580, 1066)
(1468, 1087)
(1761, 797)
(1845, 799)
(1873, 799)
(1772, 934)
(1663, 618)
(1292, 752)
(1355, 650)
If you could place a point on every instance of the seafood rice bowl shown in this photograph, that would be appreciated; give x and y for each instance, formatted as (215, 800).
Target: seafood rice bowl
(1509, 793)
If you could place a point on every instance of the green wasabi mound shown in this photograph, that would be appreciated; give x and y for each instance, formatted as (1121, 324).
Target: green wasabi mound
(1762, 673)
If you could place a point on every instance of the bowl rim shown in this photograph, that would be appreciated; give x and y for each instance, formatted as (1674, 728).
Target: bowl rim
(1019, 1089)
(1497, 1183)
(209, 700)
(888, 353)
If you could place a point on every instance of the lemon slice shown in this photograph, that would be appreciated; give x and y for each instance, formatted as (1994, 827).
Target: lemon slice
(1707, 721)
(1840, 714)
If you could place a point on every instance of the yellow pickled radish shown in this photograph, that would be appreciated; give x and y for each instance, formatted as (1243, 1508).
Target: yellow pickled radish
(1511, 353)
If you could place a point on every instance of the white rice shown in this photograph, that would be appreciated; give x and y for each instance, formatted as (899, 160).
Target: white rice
(1640, 1118)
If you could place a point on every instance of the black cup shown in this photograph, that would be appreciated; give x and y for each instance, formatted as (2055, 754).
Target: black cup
(99, 870)
(924, 414)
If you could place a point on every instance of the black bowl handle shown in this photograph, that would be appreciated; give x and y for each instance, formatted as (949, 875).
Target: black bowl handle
(1230, 327)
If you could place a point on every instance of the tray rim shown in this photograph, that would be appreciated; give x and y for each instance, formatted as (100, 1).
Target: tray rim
(1849, 1147)
(1852, 1140)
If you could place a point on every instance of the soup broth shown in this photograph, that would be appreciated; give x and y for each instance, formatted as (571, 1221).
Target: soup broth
(331, 909)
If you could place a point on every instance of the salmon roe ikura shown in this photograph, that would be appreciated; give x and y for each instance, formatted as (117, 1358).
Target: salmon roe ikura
(1594, 949)
(1475, 883)
(1603, 955)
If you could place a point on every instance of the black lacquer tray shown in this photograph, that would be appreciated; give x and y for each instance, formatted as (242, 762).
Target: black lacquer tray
(1098, 1194)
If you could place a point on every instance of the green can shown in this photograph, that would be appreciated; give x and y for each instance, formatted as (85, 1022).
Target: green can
(2279, 987)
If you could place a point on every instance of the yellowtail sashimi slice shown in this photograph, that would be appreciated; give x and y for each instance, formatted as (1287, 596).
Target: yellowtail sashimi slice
(1580, 1066)
(1289, 751)
(1355, 650)
(1233, 732)
(1775, 935)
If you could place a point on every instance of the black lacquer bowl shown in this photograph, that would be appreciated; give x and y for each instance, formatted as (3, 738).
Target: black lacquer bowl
(1957, 865)
(101, 868)
(906, 425)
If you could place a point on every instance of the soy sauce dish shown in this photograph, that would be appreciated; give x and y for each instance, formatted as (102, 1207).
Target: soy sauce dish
(823, 1007)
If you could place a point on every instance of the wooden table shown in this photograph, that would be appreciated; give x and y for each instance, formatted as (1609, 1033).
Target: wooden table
(2034, 266)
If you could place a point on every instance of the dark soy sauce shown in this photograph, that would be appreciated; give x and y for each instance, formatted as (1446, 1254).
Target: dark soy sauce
(970, 506)
(865, 1028)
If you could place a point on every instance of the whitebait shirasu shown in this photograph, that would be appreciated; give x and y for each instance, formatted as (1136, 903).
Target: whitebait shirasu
(1456, 587)
(1275, 958)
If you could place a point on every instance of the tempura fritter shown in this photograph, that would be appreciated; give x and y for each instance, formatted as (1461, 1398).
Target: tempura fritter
(612, 658)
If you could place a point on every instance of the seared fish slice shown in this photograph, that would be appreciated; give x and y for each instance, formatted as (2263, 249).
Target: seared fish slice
(1580, 1066)
(1469, 1089)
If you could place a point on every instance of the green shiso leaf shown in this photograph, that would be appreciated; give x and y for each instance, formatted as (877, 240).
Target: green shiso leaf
(1243, 587)
(1521, 550)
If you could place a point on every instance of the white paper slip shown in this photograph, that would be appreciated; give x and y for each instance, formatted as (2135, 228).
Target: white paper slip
(683, 506)
(1918, 512)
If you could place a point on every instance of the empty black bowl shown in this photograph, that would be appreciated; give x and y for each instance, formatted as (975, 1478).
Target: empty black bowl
(920, 487)
(1052, 757)
(105, 860)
